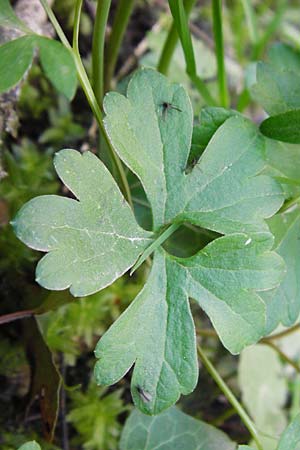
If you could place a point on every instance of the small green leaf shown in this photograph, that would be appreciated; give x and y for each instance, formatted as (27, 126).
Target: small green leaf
(9, 19)
(290, 439)
(15, 58)
(32, 445)
(277, 86)
(58, 65)
(91, 242)
(283, 127)
(171, 430)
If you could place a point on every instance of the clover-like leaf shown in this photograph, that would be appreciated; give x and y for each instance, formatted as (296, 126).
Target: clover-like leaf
(91, 242)
(171, 430)
(95, 240)
(56, 60)
(157, 333)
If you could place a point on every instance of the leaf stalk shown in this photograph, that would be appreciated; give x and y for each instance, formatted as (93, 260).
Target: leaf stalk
(230, 396)
(152, 247)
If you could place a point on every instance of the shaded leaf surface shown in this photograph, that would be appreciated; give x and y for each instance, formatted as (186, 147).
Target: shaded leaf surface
(284, 305)
(81, 236)
(283, 127)
(172, 430)
(45, 379)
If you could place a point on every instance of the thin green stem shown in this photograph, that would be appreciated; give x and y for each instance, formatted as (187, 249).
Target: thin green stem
(282, 334)
(122, 15)
(182, 27)
(102, 12)
(171, 42)
(56, 25)
(282, 355)
(251, 21)
(230, 396)
(87, 88)
(219, 46)
(289, 204)
(160, 240)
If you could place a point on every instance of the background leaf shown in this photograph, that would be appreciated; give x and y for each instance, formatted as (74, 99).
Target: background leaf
(290, 439)
(58, 65)
(264, 391)
(284, 305)
(9, 19)
(16, 54)
(283, 127)
(169, 431)
(277, 86)
(30, 446)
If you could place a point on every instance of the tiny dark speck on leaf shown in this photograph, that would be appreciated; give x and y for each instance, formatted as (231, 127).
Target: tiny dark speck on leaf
(145, 396)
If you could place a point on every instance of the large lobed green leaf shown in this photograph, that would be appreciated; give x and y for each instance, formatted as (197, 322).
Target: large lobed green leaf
(91, 242)
(95, 240)
(172, 430)
(223, 192)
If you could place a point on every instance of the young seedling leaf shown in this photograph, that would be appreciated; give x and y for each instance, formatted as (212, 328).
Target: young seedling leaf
(58, 65)
(157, 333)
(224, 192)
(283, 127)
(91, 242)
(15, 59)
(290, 439)
(277, 86)
(171, 430)
(9, 19)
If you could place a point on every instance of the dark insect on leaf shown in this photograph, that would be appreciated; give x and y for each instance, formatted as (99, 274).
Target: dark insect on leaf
(145, 396)
(167, 107)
